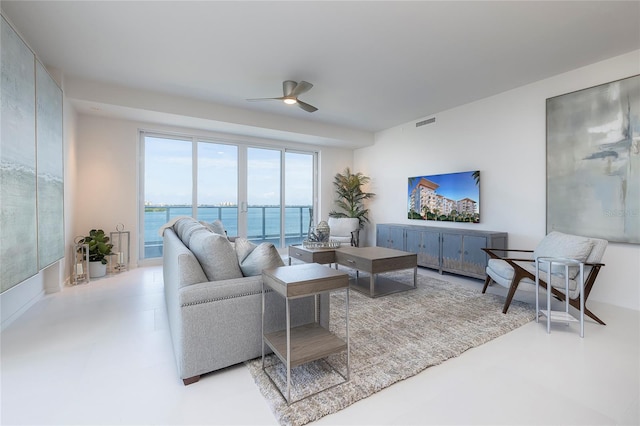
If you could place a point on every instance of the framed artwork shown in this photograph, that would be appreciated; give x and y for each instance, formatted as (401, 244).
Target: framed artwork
(450, 197)
(18, 233)
(593, 162)
(50, 195)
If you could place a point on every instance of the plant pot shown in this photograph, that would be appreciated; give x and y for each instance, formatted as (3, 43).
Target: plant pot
(97, 269)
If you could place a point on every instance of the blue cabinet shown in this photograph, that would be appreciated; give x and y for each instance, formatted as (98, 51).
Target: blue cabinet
(390, 236)
(454, 250)
(462, 254)
(426, 244)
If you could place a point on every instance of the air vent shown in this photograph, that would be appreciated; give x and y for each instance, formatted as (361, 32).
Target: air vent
(427, 121)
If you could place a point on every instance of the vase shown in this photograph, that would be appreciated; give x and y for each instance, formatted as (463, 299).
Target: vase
(323, 230)
(97, 269)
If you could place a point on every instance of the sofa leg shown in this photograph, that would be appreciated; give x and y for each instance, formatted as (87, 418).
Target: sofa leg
(190, 380)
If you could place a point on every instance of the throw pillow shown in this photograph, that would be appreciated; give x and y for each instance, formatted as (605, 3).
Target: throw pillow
(243, 248)
(255, 258)
(216, 227)
(557, 244)
(216, 256)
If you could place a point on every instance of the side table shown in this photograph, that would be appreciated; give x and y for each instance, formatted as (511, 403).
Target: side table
(560, 316)
(309, 342)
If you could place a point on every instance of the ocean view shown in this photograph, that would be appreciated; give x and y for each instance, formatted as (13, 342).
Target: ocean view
(263, 223)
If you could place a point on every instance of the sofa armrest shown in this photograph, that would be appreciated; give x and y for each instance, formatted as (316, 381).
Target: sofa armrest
(211, 291)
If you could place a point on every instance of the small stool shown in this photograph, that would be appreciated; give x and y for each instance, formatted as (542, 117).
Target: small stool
(561, 316)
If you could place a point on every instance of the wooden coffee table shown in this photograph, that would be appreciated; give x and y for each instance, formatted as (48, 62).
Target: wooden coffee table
(375, 260)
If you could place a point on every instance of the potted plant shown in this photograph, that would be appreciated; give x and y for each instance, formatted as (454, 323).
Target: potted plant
(99, 249)
(350, 196)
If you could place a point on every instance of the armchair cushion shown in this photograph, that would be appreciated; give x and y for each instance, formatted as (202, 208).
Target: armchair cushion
(557, 244)
(343, 226)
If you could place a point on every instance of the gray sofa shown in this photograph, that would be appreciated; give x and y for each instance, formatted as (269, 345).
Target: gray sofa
(215, 313)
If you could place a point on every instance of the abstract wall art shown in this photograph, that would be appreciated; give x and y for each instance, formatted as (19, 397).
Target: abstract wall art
(18, 233)
(593, 162)
(31, 164)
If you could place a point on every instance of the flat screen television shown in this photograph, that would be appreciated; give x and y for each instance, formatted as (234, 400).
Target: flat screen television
(450, 197)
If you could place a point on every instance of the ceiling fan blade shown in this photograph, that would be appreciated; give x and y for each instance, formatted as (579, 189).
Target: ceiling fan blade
(305, 106)
(288, 86)
(301, 88)
(266, 99)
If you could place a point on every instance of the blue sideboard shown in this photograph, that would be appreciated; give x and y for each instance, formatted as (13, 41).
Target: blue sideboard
(454, 250)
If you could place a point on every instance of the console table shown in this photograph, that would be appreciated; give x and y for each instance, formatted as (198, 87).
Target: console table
(454, 250)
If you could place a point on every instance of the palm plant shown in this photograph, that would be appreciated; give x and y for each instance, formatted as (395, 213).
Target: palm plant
(350, 196)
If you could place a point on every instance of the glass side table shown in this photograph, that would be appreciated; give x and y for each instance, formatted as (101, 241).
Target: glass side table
(560, 316)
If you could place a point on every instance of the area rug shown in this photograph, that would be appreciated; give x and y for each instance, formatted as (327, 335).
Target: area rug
(392, 338)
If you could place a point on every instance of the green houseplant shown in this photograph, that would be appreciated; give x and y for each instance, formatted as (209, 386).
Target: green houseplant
(350, 196)
(99, 249)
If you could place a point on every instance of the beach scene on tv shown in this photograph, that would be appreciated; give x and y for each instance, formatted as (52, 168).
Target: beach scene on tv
(450, 197)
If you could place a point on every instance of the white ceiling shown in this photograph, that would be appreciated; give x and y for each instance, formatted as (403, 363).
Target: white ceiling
(374, 65)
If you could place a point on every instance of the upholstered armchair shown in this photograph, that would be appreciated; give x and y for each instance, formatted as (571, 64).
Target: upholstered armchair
(519, 273)
(345, 230)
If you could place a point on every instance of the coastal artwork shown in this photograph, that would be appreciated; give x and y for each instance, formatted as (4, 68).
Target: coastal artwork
(18, 233)
(593, 162)
(50, 194)
(451, 197)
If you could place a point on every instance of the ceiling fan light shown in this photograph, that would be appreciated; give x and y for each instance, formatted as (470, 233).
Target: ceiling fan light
(290, 101)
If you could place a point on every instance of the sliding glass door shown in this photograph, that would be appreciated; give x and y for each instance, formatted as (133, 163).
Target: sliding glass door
(168, 186)
(217, 181)
(299, 172)
(263, 194)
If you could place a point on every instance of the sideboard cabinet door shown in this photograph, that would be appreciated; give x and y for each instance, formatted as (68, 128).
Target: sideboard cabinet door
(462, 254)
(390, 237)
(426, 245)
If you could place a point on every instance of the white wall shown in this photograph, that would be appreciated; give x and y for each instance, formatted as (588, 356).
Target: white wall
(107, 172)
(504, 137)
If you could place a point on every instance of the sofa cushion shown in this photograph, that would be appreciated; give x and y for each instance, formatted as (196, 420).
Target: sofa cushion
(189, 231)
(557, 244)
(254, 258)
(183, 227)
(216, 256)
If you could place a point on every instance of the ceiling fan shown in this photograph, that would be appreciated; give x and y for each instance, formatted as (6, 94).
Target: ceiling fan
(291, 91)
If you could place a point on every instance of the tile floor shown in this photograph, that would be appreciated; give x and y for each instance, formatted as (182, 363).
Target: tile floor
(100, 354)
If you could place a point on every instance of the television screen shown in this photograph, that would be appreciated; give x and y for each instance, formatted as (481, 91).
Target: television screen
(451, 197)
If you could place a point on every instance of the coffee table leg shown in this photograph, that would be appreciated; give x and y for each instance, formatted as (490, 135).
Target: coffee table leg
(372, 281)
(288, 352)
(347, 335)
(415, 277)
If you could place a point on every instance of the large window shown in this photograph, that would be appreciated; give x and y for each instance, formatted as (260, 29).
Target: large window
(263, 194)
